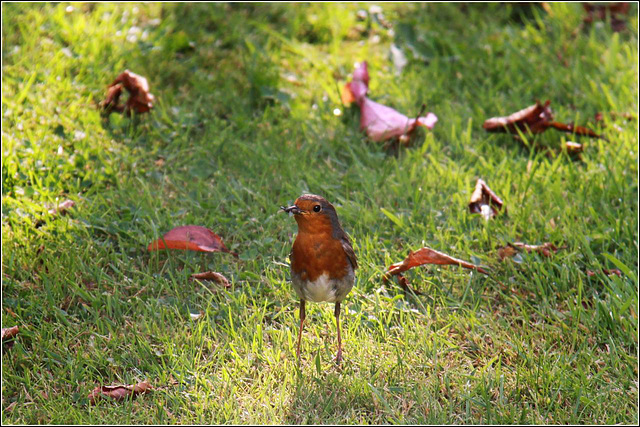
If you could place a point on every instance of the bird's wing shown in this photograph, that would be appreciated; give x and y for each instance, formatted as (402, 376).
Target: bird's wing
(348, 249)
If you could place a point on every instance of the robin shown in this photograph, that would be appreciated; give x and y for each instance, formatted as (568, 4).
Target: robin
(322, 259)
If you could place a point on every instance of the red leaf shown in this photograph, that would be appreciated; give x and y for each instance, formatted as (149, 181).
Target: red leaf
(119, 392)
(484, 201)
(212, 275)
(192, 238)
(382, 123)
(428, 256)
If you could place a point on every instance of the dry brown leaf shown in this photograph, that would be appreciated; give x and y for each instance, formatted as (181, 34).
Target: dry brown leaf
(513, 248)
(426, 256)
(8, 333)
(573, 148)
(119, 392)
(212, 275)
(484, 201)
(534, 119)
(140, 99)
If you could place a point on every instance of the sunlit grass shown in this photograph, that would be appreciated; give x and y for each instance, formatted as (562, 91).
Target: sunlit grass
(245, 122)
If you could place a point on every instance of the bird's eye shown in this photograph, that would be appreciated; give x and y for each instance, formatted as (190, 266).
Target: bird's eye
(317, 208)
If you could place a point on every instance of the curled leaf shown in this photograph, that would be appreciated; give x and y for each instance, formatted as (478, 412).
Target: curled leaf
(8, 333)
(357, 88)
(426, 256)
(534, 119)
(192, 238)
(140, 99)
(119, 392)
(212, 275)
(484, 201)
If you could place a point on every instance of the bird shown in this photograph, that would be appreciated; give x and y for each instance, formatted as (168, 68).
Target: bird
(323, 262)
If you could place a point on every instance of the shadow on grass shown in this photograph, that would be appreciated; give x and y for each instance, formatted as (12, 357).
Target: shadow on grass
(329, 400)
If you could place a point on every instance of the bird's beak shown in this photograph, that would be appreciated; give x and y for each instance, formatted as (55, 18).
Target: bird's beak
(292, 209)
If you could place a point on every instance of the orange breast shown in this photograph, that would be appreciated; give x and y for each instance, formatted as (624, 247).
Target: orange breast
(316, 254)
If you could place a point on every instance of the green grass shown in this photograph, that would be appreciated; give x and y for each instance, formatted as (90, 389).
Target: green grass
(244, 122)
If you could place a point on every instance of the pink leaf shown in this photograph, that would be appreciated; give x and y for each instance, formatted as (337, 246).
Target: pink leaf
(357, 88)
(382, 122)
(361, 73)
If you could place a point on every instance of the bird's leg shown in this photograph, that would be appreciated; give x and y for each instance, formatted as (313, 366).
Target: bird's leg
(302, 316)
(337, 314)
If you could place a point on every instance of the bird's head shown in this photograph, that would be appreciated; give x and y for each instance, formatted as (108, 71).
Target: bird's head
(314, 214)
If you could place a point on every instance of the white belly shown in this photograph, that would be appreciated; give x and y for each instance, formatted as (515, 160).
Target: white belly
(323, 288)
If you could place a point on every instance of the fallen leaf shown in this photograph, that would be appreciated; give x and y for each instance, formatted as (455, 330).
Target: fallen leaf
(535, 119)
(192, 238)
(380, 122)
(426, 256)
(8, 333)
(357, 88)
(62, 208)
(573, 148)
(513, 248)
(140, 99)
(212, 275)
(119, 392)
(606, 271)
(196, 316)
(484, 201)
(507, 252)
(615, 11)
(599, 117)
